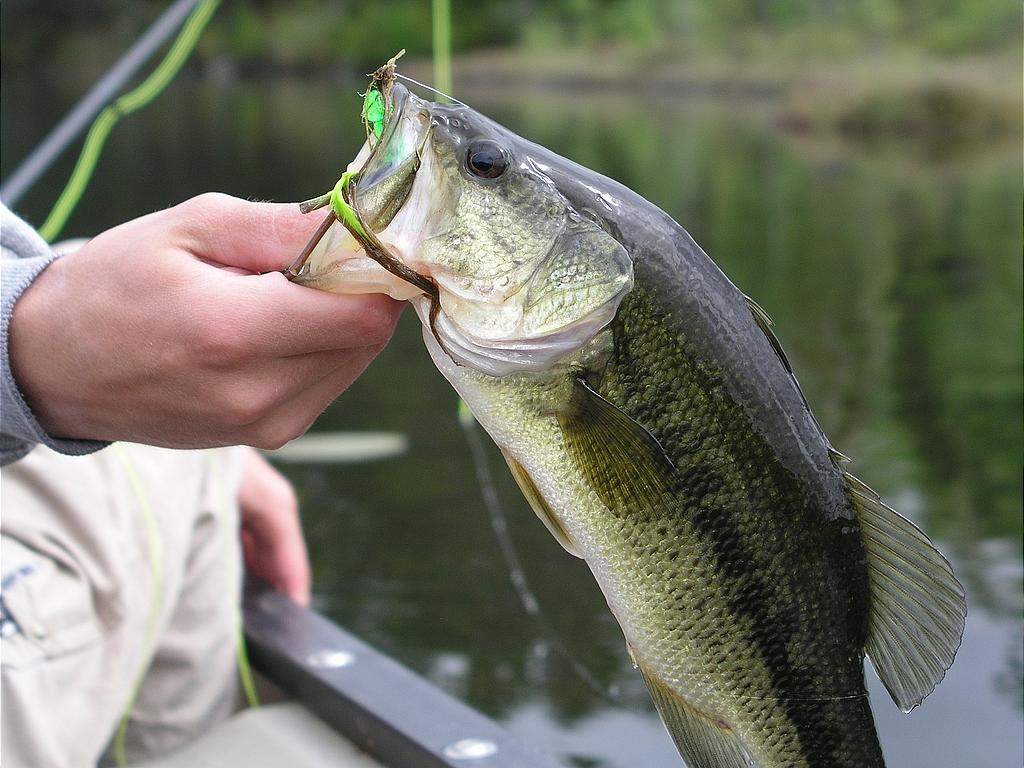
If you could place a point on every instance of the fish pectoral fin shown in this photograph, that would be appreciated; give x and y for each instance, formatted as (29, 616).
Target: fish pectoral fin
(702, 740)
(539, 505)
(917, 604)
(622, 461)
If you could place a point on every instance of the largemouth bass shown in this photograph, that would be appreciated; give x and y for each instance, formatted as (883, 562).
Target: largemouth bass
(654, 424)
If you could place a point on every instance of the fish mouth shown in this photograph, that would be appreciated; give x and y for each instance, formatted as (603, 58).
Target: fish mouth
(384, 173)
(403, 194)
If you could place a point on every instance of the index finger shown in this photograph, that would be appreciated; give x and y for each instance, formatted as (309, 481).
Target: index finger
(258, 237)
(285, 319)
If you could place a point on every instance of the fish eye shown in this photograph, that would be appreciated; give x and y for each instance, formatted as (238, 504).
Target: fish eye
(486, 159)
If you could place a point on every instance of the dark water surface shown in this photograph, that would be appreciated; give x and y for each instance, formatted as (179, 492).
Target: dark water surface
(892, 270)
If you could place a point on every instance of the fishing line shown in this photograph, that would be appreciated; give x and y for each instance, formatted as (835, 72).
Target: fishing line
(400, 76)
(156, 593)
(130, 102)
(499, 524)
(223, 500)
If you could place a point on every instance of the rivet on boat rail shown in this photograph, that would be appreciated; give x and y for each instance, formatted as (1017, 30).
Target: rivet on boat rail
(470, 749)
(330, 659)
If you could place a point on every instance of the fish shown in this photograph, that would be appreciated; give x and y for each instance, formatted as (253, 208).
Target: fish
(654, 424)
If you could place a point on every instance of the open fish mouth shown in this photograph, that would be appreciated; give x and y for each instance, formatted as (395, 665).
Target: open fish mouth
(454, 213)
(375, 186)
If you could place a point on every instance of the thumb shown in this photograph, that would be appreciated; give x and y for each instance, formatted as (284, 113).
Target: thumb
(257, 237)
(271, 531)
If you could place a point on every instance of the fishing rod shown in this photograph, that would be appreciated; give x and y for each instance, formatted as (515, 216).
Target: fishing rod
(104, 92)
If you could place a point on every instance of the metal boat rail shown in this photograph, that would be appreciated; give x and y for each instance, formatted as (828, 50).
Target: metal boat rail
(385, 709)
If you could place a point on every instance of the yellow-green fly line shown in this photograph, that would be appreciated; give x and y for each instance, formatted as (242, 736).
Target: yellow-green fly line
(130, 102)
(442, 40)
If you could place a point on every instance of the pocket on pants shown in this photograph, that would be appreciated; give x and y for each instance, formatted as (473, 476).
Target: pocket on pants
(47, 607)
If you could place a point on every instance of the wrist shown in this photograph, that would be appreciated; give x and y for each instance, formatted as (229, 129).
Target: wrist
(31, 349)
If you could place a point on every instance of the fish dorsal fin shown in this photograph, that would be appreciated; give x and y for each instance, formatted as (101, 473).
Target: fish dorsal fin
(917, 604)
(764, 322)
(622, 461)
(703, 741)
(539, 505)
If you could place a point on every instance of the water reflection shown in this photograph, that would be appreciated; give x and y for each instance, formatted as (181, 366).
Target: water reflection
(894, 279)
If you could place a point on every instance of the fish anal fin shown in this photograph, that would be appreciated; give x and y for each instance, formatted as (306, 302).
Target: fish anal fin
(703, 740)
(917, 605)
(623, 462)
(539, 505)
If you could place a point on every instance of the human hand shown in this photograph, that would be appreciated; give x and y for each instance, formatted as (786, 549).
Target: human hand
(162, 331)
(272, 542)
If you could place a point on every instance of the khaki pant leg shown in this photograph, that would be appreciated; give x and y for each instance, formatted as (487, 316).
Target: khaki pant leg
(192, 682)
(89, 610)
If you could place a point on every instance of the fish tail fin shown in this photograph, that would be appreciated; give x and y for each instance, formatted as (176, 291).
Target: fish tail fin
(918, 608)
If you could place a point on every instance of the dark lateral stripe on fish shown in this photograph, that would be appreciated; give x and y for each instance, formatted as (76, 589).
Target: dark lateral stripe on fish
(771, 617)
(769, 632)
(770, 613)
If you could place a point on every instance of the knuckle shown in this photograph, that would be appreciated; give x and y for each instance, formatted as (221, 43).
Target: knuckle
(273, 435)
(198, 217)
(205, 203)
(290, 500)
(216, 345)
(240, 410)
(248, 404)
(377, 321)
(287, 499)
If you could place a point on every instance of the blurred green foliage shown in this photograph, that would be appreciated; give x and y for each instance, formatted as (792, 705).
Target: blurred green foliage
(311, 33)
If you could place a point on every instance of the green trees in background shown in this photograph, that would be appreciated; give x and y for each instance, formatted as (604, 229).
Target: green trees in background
(366, 32)
(301, 33)
(938, 26)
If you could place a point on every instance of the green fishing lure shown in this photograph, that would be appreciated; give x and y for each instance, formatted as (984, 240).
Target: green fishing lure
(377, 108)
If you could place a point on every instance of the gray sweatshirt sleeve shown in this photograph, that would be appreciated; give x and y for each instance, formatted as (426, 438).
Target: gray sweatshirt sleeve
(24, 256)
